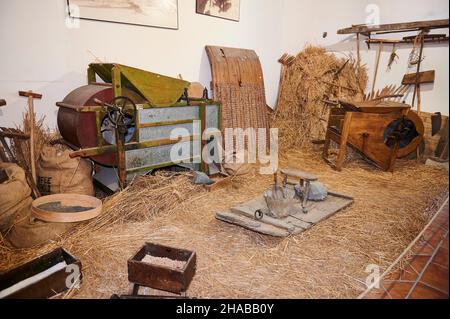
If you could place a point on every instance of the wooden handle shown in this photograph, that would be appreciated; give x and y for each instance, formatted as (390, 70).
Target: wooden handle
(30, 94)
(2, 102)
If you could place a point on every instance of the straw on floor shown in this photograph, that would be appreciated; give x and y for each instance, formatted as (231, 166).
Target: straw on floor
(328, 261)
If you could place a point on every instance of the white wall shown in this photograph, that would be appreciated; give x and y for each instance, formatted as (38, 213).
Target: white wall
(40, 53)
(313, 17)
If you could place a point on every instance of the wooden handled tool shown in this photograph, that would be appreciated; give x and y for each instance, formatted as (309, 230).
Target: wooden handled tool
(377, 63)
(286, 61)
(31, 96)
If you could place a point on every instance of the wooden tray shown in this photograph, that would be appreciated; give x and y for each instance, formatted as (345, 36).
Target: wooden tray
(244, 215)
(159, 277)
(34, 287)
(51, 216)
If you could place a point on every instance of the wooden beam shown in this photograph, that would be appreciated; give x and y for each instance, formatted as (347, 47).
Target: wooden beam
(30, 94)
(431, 24)
(378, 41)
(407, 40)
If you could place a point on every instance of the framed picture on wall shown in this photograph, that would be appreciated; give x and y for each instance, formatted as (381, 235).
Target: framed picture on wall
(151, 13)
(225, 9)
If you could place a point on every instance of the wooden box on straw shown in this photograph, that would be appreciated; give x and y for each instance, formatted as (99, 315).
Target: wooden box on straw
(42, 278)
(161, 277)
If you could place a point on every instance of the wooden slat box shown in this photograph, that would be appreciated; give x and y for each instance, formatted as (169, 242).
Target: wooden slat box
(160, 277)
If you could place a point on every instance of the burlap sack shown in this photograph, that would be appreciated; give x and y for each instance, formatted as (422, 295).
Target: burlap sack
(13, 193)
(28, 232)
(8, 219)
(60, 174)
(237, 169)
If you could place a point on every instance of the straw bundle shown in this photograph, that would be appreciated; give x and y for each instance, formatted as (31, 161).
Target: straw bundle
(328, 261)
(43, 137)
(315, 76)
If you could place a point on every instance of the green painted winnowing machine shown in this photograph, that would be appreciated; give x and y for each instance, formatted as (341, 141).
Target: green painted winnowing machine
(124, 120)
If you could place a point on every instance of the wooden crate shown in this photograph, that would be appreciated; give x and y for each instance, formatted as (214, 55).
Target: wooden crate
(36, 285)
(160, 277)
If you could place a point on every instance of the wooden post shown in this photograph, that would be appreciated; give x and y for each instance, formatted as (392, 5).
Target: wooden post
(417, 84)
(91, 77)
(417, 88)
(117, 81)
(31, 96)
(380, 48)
(344, 139)
(121, 161)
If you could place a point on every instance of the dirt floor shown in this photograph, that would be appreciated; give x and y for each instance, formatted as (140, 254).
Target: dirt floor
(328, 261)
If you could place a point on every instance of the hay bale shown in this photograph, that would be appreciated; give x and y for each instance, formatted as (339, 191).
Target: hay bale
(315, 76)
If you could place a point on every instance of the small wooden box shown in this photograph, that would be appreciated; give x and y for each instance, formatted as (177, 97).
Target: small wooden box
(41, 288)
(160, 277)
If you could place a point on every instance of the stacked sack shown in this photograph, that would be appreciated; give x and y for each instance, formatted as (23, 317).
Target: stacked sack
(15, 196)
(60, 174)
(57, 173)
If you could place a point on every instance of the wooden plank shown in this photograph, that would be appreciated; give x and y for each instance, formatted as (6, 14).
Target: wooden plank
(319, 211)
(30, 94)
(247, 223)
(94, 151)
(407, 40)
(423, 77)
(293, 172)
(248, 209)
(167, 123)
(430, 24)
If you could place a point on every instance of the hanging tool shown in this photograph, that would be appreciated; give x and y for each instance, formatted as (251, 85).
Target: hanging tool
(420, 38)
(417, 83)
(278, 192)
(339, 71)
(394, 56)
(286, 61)
(31, 96)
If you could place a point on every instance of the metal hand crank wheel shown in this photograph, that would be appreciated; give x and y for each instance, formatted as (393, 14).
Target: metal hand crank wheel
(122, 111)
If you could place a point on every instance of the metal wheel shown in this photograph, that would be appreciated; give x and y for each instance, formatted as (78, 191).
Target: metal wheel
(120, 116)
(122, 111)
